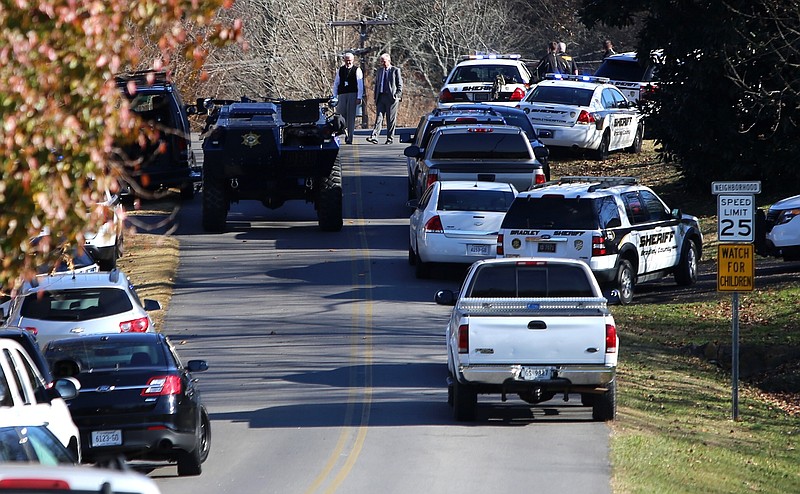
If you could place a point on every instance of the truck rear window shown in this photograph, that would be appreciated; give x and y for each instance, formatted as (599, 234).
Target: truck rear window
(481, 146)
(511, 280)
(550, 213)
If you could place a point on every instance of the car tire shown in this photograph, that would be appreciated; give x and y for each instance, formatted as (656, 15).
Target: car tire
(411, 193)
(636, 145)
(187, 191)
(329, 200)
(215, 206)
(465, 401)
(189, 462)
(602, 151)
(604, 407)
(412, 256)
(625, 282)
(423, 271)
(686, 271)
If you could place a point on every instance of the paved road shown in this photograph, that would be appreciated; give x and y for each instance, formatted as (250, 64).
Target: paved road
(328, 365)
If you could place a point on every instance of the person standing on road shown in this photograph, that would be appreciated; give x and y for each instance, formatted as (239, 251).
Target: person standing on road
(569, 63)
(388, 93)
(348, 87)
(608, 49)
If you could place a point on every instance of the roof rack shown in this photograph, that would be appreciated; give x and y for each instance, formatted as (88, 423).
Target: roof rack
(142, 77)
(579, 78)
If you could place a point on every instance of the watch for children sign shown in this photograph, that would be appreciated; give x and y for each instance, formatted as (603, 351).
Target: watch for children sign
(736, 269)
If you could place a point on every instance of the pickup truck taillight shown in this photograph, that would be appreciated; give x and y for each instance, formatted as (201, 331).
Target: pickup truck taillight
(599, 246)
(611, 338)
(463, 338)
(538, 177)
(500, 251)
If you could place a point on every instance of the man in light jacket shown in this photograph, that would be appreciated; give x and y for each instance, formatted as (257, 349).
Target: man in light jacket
(348, 87)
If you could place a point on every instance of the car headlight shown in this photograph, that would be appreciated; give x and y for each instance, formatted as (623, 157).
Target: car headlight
(786, 216)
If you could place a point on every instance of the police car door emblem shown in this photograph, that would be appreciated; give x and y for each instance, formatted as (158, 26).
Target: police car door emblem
(250, 139)
(578, 244)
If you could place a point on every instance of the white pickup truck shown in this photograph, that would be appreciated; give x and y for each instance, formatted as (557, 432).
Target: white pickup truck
(531, 327)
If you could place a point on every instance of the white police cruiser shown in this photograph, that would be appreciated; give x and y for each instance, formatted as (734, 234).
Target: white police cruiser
(621, 229)
(635, 80)
(499, 79)
(584, 112)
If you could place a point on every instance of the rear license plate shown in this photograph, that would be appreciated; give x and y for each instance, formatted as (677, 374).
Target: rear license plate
(106, 438)
(477, 250)
(549, 247)
(480, 97)
(534, 373)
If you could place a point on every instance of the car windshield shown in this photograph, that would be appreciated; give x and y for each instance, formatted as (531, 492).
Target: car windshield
(481, 146)
(475, 200)
(548, 213)
(561, 95)
(75, 305)
(99, 354)
(513, 280)
(620, 70)
(486, 73)
(32, 445)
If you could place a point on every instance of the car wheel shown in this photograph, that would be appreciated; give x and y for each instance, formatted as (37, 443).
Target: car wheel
(423, 270)
(465, 401)
(189, 462)
(636, 145)
(602, 151)
(411, 193)
(625, 282)
(187, 191)
(412, 256)
(604, 407)
(686, 271)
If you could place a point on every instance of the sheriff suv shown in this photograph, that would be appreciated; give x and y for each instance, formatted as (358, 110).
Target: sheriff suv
(620, 228)
(499, 79)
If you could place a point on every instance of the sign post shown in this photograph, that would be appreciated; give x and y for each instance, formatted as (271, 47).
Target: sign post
(735, 257)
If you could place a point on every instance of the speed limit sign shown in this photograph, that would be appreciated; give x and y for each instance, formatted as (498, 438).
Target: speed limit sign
(736, 218)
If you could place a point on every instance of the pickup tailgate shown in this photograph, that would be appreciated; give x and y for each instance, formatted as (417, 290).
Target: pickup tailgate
(543, 332)
(521, 173)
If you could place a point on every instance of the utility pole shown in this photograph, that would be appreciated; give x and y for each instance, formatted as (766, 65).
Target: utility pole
(363, 27)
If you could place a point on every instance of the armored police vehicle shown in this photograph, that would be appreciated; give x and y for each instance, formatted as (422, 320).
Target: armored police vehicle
(271, 151)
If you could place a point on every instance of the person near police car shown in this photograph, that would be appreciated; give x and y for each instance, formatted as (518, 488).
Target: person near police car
(570, 67)
(551, 63)
(608, 49)
(348, 88)
(388, 93)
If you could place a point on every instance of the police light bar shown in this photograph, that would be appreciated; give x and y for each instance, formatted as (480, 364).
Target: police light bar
(492, 56)
(579, 78)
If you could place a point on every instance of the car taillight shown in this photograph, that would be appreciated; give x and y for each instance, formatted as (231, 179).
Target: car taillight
(463, 338)
(32, 330)
(538, 176)
(446, 96)
(34, 485)
(433, 176)
(585, 118)
(163, 386)
(434, 225)
(611, 338)
(135, 326)
(480, 130)
(599, 246)
(182, 145)
(500, 250)
(466, 120)
(517, 95)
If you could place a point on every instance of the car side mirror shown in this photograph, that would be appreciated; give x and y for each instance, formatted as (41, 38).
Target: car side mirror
(541, 152)
(676, 214)
(445, 297)
(614, 223)
(412, 204)
(191, 110)
(413, 151)
(150, 304)
(197, 365)
(67, 387)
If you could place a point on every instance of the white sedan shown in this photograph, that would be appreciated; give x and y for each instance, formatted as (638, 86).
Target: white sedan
(457, 222)
(584, 112)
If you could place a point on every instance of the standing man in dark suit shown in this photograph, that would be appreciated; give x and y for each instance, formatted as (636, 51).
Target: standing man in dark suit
(348, 87)
(388, 93)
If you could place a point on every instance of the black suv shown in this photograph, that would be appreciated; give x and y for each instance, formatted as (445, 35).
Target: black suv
(475, 113)
(169, 162)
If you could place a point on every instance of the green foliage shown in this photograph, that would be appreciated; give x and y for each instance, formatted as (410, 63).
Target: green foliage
(728, 105)
(62, 113)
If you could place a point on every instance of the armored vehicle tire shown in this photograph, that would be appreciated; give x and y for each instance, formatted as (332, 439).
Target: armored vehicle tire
(215, 206)
(329, 200)
(465, 401)
(624, 282)
(604, 407)
(686, 271)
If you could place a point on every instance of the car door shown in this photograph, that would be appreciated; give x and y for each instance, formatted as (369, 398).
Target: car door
(624, 120)
(418, 217)
(652, 233)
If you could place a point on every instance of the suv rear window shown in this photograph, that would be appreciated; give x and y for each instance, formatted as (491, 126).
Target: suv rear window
(548, 213)
(509, 280)
(76, 305)
(620, 70)
(481, 145)
(484, 73)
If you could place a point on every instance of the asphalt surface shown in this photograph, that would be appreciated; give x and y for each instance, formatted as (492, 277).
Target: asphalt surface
(327, 360)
